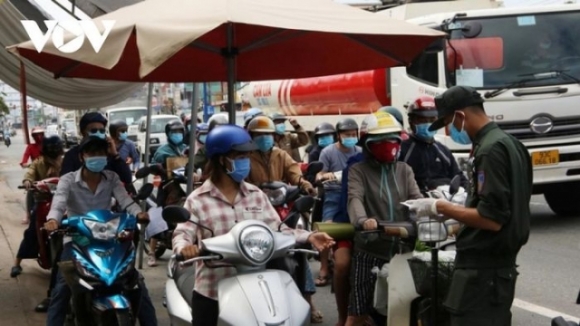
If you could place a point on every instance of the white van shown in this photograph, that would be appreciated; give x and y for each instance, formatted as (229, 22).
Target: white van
(130, 115)
(157, 131)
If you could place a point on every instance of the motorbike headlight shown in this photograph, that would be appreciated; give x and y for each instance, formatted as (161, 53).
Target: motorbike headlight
(257, 244)
(277, 197)
(431, 231)
(103, 231)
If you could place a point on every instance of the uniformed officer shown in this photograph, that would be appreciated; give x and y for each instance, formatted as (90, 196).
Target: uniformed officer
(496, 219)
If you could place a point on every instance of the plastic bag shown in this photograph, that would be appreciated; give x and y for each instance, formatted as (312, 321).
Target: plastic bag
(381, 293)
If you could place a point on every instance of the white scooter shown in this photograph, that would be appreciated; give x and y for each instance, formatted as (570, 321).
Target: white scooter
(409, 295)
(256, 295)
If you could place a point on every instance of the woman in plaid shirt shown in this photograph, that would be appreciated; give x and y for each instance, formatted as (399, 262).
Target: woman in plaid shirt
(219, 203)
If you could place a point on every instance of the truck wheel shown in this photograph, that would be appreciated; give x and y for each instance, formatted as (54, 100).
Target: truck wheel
(563, 200)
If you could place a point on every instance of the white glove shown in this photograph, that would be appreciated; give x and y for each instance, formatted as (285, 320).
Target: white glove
(423, 207)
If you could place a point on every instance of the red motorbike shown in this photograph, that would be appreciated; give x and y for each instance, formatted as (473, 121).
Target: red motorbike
(43, 191)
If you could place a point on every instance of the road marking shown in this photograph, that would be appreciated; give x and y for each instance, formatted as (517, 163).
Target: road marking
(546, 312)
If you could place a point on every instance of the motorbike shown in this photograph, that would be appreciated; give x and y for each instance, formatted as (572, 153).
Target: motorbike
(102, 275)
(249, 247)
(43, 191)
(164, 232)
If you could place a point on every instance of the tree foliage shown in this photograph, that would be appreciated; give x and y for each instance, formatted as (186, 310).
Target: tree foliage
(3, 107)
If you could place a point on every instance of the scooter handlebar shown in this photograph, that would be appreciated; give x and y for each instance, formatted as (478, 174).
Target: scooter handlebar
(199, 258)
(396, 229)
(304, 251)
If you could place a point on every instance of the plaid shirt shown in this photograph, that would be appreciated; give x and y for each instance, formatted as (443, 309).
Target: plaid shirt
(209, 207)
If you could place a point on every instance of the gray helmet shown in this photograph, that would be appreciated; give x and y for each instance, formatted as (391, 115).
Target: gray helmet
(346, 124)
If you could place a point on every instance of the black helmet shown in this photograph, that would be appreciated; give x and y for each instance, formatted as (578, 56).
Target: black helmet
(91, 117)
(324, 129)
(93, 144)
(174, 125)
(346, 124)
(52, 146)
(116, 125)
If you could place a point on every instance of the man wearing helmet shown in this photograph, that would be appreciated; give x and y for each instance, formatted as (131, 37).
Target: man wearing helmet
(175, 132)
(287, 141)
(334, 158)
(217, 120)
(200, 158)
(251, 114)
(324, 135)
(125, 147)
(228, 149)
(270, 163)
(94, 124)
(376, 187)
(432, 162)
(398, 116)
(90, 188)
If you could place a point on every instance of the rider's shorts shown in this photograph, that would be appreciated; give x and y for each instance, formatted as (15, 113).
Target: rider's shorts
(343, 244)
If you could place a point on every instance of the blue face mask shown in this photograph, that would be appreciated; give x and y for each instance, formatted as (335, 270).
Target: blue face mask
(325, 140)
(264, 142)
(240, 169)
(280, 128)
(460, 137)
(97, 134)
(176, 138)
(202, 138)
(96, 164)
(349, 142)
(123, 136)
(422, 131)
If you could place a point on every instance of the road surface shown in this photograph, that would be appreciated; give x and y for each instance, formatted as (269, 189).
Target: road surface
(548, 283)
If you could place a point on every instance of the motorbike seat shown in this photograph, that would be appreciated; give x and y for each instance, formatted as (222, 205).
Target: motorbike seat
(292, 193)
(185, 280)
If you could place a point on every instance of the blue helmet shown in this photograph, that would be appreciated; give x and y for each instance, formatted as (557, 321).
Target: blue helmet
(226, 138)
(202, 128)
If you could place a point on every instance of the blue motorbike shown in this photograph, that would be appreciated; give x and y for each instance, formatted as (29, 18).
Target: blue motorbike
(102, 275)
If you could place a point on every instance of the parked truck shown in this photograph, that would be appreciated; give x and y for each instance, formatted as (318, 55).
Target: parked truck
(525, 62)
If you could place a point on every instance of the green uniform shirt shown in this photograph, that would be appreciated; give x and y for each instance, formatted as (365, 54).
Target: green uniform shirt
(500, 189)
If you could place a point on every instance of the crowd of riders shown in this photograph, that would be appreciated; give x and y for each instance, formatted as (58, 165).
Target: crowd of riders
(369, 168)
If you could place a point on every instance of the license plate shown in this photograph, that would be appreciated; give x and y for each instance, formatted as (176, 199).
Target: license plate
(546, 157)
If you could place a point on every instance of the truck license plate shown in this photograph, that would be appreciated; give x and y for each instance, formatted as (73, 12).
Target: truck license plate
(546, 157)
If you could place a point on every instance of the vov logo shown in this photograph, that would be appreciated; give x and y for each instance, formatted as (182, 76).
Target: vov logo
(56, 31)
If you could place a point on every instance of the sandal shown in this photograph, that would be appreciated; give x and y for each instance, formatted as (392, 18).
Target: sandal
(15, 271)
(322, 280)
(316, 317)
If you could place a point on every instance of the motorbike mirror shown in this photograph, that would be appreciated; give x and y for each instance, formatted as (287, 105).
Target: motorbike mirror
(291, 220)
(304, 204)
(142, 172)
(455, 184)
(314, 168)
(145, 191)
(156, 169)
(175, 214)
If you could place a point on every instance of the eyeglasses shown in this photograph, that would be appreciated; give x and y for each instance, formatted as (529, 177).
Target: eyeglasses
(97, 130)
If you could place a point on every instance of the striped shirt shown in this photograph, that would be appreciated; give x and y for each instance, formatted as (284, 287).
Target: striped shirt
(209, 207)
(74, 197)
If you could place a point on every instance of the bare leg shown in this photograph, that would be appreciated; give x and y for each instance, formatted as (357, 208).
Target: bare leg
(341, 282)
(151, 261)
(315, 315)
(323, 273)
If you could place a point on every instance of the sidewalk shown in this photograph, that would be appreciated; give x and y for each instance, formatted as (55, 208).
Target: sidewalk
(18, 296)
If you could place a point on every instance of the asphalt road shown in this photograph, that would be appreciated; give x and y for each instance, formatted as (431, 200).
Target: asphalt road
(548, 283)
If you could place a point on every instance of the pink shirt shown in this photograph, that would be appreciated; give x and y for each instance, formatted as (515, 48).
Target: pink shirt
(209, 207)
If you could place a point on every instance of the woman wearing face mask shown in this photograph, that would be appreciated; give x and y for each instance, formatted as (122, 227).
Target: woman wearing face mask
(219, 203)
(431, 161)
(324, 135)
(125, 147)
(376, 187)
(175, 132)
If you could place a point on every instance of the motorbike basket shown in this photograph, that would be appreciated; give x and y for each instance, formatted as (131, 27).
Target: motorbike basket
(421, 271)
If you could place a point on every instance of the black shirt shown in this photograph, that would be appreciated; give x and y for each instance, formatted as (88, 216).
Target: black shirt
(432, 163)
(501, 179)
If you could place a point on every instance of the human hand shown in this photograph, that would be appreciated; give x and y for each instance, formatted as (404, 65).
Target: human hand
(321, 241)
(370, 224)
(51, 225)
(129, 160)
(293, 122)
(27, 184)
(143, 217)
(311, 191)
(112, 147)
(189, 252)
(423, 207)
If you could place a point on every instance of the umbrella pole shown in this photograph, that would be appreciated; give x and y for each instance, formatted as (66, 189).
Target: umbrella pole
(23, 104)
(192, 140)
(231, 62)
(141, 248)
